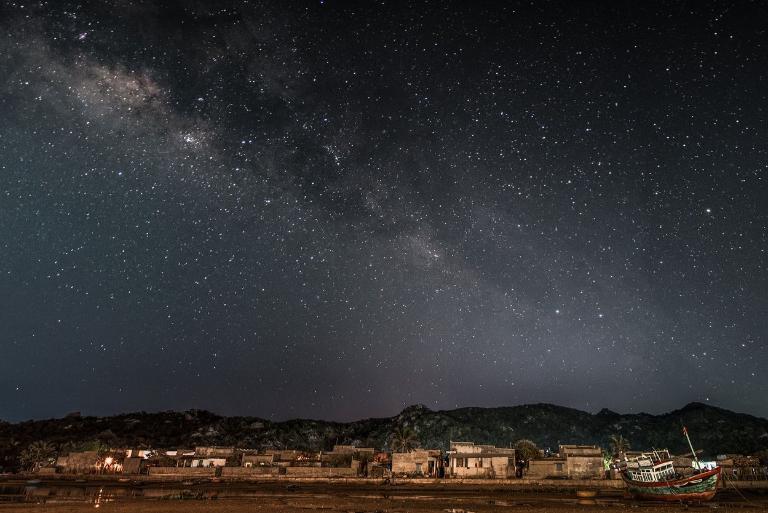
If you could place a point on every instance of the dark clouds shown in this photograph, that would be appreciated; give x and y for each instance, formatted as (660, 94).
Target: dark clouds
(333, 210)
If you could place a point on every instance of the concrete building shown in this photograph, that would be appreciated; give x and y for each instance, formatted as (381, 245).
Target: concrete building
(742, 468)
(287, 456)
(467, 460)
(572, 462)
(583, 461)
(419, 462)
(211, 456)
(138, 453)
(133, 465)
(214, 452)
(258, 460)
(208, 462)
(546, 468)
(351, 449)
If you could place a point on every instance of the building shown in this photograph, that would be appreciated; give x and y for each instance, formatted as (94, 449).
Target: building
(212, 456)
(208, 462)
(572, 462)
(258, 460)
(83, 462)
(214, 452)
(344, 453)
(351, 449)
(138, 453)
(133, 465)
(419, 462)
(285, 457)
(467, 460)
(742, 468)
(546, 468)
(583, 461)
(174, 458)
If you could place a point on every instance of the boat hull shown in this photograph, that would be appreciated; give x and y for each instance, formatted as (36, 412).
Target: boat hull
(696, 488)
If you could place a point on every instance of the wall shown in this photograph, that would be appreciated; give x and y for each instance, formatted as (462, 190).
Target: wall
(285, 454)
(247, 472)
(585, 467)
(579, 450)
(181, 471)
(132, 465)
(351, 449)
(407, 463)
(255, 460)
(545, 469)
(502, 467)
(466, 447)
(214, 451)
(320, 472)
(572, 467)
(207, 462)
(493, 467)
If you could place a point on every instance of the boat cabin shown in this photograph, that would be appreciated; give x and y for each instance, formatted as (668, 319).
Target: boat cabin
(653, 467)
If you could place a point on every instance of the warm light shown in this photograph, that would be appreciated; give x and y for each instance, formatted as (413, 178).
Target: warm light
(108, 461)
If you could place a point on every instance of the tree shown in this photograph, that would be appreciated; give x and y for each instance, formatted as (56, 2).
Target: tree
(9, 454)
(762, 455)
(364, 458)
(403, 439)
(619, 445)
(527, 449)
(340, 460)
(37, 455)
(83, 445)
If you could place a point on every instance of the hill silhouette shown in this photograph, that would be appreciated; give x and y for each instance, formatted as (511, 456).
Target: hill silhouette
(715, 430)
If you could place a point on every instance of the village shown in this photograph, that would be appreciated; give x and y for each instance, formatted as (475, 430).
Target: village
(462, 461)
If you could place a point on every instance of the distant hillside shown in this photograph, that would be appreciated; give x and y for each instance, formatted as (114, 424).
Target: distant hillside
(714, 430)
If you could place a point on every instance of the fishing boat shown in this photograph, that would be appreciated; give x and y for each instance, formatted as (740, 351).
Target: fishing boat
(652, 476)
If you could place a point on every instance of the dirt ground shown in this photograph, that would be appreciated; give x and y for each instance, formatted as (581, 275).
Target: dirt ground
(376, 500)
(279, 497)
(299, 505)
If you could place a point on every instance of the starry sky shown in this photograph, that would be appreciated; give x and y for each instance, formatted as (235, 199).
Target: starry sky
(336, 209)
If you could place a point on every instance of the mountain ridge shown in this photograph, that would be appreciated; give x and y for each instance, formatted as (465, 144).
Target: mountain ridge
(713, 429)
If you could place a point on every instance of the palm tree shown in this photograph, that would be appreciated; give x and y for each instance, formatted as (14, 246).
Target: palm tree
(37, 455)
(619, 445)
(403, 439)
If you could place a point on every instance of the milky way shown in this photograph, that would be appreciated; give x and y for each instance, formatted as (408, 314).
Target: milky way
(335, 210)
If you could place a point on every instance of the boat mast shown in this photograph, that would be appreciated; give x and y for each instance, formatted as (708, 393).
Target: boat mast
(693, 452)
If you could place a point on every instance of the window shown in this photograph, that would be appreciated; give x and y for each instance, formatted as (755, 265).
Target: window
(559, 467)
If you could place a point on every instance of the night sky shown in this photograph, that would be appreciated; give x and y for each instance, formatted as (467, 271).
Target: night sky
(335, 210)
